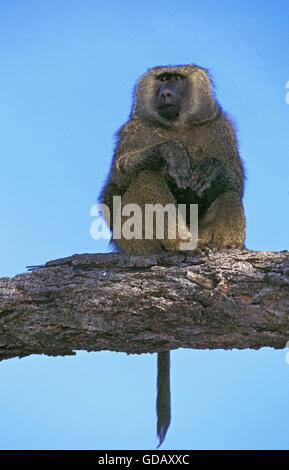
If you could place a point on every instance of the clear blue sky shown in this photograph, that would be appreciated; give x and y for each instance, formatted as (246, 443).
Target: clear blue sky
(67, 73)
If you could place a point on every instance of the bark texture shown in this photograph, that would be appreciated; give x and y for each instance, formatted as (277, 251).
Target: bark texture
(136, 304)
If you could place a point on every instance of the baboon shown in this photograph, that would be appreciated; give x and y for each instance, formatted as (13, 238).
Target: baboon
(178, 147)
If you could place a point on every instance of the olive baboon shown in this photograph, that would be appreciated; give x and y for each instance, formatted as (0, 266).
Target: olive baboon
(178, 147)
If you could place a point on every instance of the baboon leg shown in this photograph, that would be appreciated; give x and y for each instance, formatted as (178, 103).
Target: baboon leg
(149, 188)
(223, 224)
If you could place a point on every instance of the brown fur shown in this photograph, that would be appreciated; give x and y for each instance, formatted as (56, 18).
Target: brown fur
(206, 132)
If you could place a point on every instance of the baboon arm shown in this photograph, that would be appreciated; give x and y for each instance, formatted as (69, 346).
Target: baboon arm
(128, 164)
(170, 154)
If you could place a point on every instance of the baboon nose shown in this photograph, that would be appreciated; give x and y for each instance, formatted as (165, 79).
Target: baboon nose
(166, 94)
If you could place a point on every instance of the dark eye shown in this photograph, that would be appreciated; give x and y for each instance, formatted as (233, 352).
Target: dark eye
(178, 77)
(163, 78)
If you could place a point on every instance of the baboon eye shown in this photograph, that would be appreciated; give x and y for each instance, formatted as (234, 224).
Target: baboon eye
(178, 77)
(163, 78)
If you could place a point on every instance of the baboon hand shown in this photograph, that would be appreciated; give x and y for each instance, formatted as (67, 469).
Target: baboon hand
(178, 163)
(210, 176)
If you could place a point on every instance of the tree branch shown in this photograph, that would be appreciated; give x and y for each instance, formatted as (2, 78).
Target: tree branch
(136, 304)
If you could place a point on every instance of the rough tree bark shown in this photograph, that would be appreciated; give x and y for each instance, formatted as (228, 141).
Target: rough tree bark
(228, 299)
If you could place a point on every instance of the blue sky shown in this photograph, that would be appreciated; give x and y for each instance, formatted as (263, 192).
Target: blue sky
(67, 73)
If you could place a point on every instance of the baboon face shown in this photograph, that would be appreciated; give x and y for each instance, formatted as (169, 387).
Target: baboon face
(174, 95)
(170, 95)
